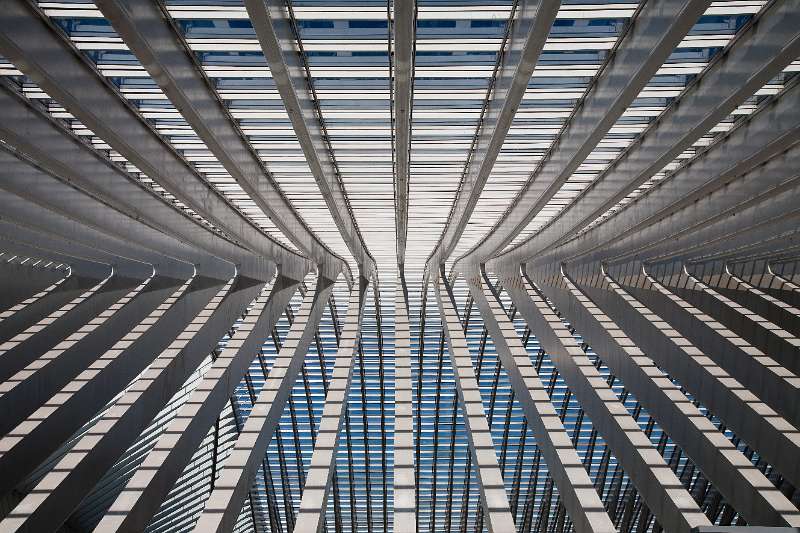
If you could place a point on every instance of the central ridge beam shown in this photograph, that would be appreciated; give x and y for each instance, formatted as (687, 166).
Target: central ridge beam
(273, 25)
(404, 36)
(529, 30)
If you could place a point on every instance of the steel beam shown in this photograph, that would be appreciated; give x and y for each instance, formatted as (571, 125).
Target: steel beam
(652, 37)
(494, 500)
(759, 373)
(77, 283)
(659, 487)
(529, 30)
(761, 333)
(721, 235)
(53, 207)
(405, 487)
(42, 433)
(26, 345)
(49, 365)
(88, 270)
(54, 498)
(234, 480)
(313, 505)
(747, 416)
(404, 40)
(732, 164)
(24, 280)
(147, 489)
(147, 29)
(760, 301)
(26, 223)
(580, 499)
(273, 27)
(782, 278)
(41, 374)
(32, 42)
(721, 277)
(739, 481)
(755, 56)
(53, 149)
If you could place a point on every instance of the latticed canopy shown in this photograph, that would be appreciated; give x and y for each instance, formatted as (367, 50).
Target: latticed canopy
(413, 266)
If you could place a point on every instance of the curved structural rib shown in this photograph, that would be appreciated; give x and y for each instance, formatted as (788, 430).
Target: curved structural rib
(660, 488)
(753, 58)
(162, 51)
(314, 503)
(274, 30)
(579, 496)
(494, 499)
(32, 43)
(237, 473)
(530, 29)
